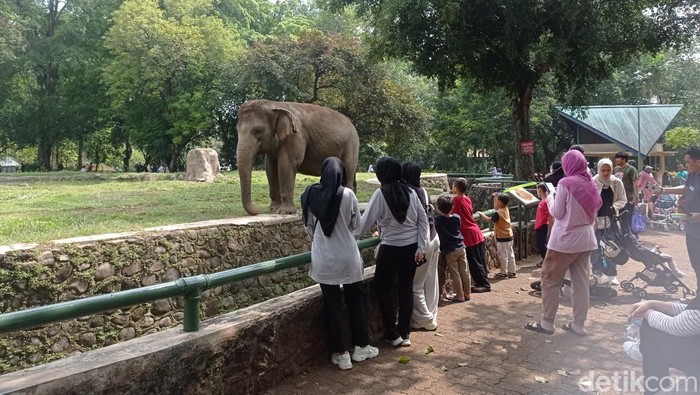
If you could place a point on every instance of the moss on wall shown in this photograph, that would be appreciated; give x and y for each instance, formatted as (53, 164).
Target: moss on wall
(54, 273)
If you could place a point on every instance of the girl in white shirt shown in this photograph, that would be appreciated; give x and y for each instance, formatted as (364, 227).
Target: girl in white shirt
(331, 215)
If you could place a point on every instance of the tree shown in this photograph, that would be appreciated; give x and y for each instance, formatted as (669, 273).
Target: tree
(513, 44)
(683, 138)
(53, 92)
(166, 76)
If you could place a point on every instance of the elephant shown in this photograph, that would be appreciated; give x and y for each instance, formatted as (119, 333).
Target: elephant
(295, 137)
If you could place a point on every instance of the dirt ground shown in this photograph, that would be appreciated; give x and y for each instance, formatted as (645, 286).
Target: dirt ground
(481, 347)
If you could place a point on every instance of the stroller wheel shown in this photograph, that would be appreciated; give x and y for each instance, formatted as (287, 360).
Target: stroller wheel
(627, 286)
(536, 285)
(640, 293)
(681, 226)
(672, 288)
(665, 227)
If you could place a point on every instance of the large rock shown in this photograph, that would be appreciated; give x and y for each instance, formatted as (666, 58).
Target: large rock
(202, 165)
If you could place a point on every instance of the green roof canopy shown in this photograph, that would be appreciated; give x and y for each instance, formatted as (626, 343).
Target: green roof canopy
(619, 124)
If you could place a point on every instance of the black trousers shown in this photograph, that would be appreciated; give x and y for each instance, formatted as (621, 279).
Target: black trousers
(477, 265)
(693, 245)
(393, 262)
(541, 240)
(662, 351)
(336, 328)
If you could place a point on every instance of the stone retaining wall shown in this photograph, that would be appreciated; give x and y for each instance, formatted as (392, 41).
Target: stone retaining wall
(244, 352)
(37, 275)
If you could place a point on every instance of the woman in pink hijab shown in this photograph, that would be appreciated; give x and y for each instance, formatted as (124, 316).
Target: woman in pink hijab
(574, 206)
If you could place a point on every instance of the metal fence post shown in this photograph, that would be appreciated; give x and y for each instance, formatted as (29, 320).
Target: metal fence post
(191, 321)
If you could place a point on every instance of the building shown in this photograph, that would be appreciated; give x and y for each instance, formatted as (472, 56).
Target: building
(603, 131)
(9, 165)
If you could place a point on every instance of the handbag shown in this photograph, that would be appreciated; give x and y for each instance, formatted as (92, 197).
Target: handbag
(639, 221)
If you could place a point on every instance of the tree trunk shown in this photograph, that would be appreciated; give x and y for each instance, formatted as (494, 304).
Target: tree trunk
(173, 162)
(127, 155)
(81, 147)
(44, 151)
(524, 163)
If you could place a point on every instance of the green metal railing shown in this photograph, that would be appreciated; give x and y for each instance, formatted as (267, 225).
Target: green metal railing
(189, 287)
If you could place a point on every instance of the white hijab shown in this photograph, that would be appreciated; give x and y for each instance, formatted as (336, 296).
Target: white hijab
(605, 181)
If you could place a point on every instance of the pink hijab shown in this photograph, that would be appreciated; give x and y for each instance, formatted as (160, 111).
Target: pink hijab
(579, 182)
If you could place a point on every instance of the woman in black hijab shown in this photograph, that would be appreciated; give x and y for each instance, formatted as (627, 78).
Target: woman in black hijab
(426, 294)
(335, 260)
(403, 226)
(556, 174)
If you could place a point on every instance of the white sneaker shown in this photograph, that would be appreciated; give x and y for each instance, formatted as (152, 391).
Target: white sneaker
(395, 342)
(406, 342)
(362, 353)
(614, 280)
(342, 360)
(632, 350)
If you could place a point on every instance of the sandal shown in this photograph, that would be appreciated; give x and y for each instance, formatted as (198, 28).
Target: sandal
(537, 327)
(500, 275)
(569, 328)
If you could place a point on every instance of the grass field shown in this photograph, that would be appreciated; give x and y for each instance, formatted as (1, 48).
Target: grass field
(50, 206)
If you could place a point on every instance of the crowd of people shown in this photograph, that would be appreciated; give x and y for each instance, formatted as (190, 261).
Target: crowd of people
(420, 243)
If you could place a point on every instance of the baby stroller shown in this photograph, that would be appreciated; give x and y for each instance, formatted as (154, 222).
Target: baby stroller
(658, 270)
(662, 217)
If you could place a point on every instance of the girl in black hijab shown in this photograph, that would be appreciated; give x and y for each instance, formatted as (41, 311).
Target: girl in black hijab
(426, 295)
(336, 260)
(403, 226)
(323, 199)
(394, 188)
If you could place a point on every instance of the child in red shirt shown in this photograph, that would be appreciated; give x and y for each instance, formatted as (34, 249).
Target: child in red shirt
(542, 221)
(473, 238)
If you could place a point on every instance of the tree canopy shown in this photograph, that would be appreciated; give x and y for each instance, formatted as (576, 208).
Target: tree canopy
(513, 44)
(454, 85)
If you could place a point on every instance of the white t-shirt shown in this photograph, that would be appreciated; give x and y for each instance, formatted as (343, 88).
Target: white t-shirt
(336, 259)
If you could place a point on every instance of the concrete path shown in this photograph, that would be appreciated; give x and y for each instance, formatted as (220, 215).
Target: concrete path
(480, 347)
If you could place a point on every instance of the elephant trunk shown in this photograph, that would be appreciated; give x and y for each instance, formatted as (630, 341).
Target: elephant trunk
(245, 167)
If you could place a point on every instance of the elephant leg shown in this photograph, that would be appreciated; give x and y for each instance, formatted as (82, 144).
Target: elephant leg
(286, 171)
(273, 183)
(350, 169)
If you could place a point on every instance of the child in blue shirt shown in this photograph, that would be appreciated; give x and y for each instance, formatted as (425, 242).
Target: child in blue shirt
(452, 248)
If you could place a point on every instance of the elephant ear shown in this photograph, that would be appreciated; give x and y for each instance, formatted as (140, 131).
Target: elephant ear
(285, 123)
